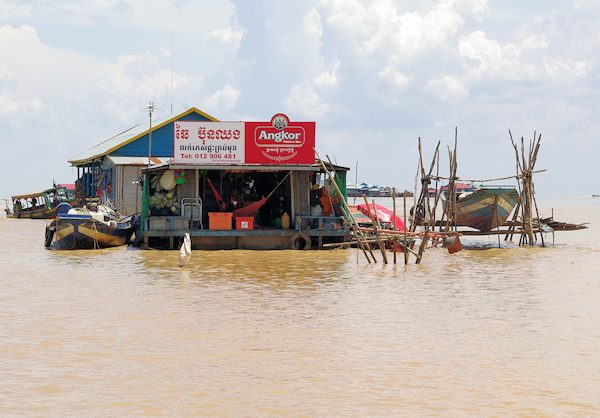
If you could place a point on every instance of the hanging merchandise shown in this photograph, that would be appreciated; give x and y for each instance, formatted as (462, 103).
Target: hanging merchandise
(167, 180)
(331, 189)
(179, 176)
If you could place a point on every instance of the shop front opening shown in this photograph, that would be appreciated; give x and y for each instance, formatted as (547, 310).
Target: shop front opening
(229, 191)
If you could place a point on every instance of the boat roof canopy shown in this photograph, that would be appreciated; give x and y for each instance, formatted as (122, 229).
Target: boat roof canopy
(35, 194)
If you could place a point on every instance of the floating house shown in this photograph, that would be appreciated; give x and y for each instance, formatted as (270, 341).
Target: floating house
(253, 185)
(460, 188)
(360, 189)
(112, 168)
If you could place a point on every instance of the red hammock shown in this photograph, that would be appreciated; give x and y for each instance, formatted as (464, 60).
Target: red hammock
(217, 195)
(252, 209)
(249, 210)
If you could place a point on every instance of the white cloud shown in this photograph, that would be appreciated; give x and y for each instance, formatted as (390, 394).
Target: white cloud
(380, 28)
(328, 78)
(449, 88)
(11, 8)
(222, 100)
(488, 59)
(535, 42)
(304, 101)
(311, 24)
(478, 9)
(396, 78)
(9, 106)
(5, 74)
(227, 36)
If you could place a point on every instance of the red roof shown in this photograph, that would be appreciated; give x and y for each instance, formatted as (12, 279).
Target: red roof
(68, 186)
(461, 186)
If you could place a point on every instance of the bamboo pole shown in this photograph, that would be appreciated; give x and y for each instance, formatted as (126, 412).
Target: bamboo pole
(405, 243)
(513, 221)
(356, 229)
(375, 226)
(425, 198)
(394, 206)
(395, 242)
(497, 218)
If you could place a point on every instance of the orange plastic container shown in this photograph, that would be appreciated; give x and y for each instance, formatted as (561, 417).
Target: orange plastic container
(244, 222)
(219, 220)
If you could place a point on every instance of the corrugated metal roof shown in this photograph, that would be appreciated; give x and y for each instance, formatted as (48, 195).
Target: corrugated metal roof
(127, 136)
(243, 167)
(240, 167)
(137, 160)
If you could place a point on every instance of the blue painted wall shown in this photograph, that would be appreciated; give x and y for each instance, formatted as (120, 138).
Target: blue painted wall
(162, 141)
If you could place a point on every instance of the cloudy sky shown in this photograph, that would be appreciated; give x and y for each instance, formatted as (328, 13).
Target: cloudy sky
(375, 75)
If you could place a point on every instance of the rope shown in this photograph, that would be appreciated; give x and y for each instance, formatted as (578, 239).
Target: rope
(96, 246)
(519, 176)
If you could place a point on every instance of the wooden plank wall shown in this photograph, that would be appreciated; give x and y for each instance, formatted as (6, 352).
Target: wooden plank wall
(188, 188)
(128, 195)
(301, 193)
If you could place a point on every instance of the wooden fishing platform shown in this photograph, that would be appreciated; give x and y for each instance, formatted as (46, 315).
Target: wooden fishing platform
(318, 229)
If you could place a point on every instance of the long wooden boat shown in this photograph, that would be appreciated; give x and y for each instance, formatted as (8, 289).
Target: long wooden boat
(38, 205)
(82, 228)
(487, 207)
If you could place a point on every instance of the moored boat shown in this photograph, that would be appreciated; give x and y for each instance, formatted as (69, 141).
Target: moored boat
(487, 207)
(38, 205)
(95, 227)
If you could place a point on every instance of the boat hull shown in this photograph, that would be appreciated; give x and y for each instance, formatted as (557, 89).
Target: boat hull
(74, 233)
(486, 208)
(383, 214)
(33, 214)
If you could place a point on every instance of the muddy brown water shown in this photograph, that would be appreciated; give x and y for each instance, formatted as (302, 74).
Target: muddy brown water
(123, 332)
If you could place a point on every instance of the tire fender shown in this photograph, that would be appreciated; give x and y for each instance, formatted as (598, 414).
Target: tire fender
(49, 236)
(300, 241)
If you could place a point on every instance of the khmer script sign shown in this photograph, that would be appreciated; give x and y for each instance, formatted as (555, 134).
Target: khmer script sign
(209, 143)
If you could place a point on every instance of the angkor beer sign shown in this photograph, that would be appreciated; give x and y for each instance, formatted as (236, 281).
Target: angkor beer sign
(278, 142)
(208, 142)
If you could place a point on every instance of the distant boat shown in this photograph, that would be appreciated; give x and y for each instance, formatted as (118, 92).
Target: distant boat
(487, 207)
(82, 228)
(38, 205)
(596, 195)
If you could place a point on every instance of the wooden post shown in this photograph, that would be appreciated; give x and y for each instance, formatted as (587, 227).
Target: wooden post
(354, 225)
(394, 205)
(377, 237)
(497, 218)
(405, 243)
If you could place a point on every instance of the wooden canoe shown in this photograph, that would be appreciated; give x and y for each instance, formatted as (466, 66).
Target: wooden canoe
(487, 207)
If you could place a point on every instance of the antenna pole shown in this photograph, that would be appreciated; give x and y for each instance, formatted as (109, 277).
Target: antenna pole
(150, 111)
(172, 71)
(151, 107)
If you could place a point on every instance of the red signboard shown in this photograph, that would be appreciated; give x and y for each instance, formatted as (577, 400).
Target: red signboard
(280, 142)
